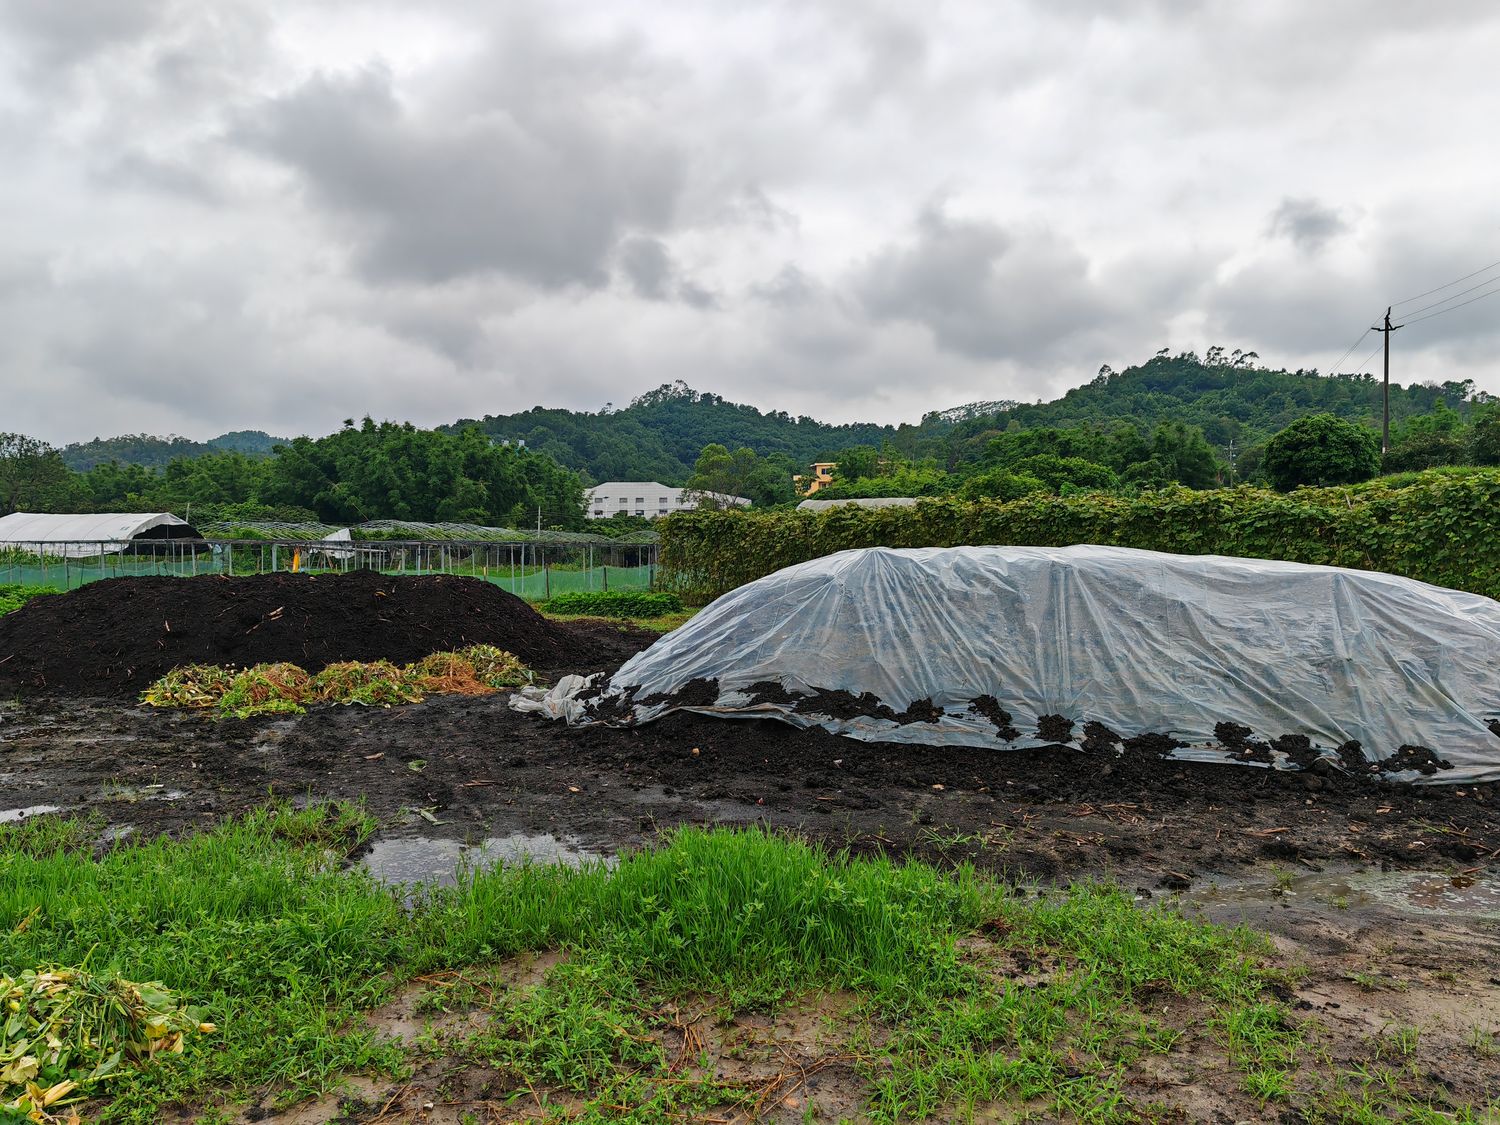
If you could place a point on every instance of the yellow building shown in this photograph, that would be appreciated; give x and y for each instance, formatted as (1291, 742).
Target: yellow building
(821, 477)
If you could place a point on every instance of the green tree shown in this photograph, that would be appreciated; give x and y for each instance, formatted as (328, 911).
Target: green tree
(1425, 451)
(1320, 450)
(1484, 437)
(1057, 472)
(113, 486)
(396, 471)
(1000, 484)
(905, 480)
(1184, 455)
(857, 462)
(720, 472)
(214, 478)
(34, 478)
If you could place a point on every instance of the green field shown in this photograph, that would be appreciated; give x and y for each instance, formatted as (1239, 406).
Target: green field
(533, 583)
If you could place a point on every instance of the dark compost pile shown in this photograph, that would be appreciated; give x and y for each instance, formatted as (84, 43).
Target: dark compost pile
(113, 637)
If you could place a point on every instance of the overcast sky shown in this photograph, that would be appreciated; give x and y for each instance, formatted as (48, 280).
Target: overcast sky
(227, 214)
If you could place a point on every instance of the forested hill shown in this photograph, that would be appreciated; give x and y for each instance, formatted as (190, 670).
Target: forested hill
(660, 435)
(155, 452)
(1227, 395)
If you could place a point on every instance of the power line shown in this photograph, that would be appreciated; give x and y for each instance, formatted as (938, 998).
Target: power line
(1460, 293)
(1450, 285)
(1450, 308)
(1360, 369)
(1334, 370)
(1412, 318)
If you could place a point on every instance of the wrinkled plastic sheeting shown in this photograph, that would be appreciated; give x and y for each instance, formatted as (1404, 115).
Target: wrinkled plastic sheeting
(1140, 641)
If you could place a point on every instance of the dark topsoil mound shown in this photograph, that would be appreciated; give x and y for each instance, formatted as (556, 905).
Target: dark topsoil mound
(112, 638)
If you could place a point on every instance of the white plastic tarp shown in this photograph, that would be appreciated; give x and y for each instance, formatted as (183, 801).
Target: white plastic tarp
(1139, 641)
(84, 534)
(342, 535)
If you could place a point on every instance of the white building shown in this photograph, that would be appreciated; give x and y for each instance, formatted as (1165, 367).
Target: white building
(861, 502)
(649, 498)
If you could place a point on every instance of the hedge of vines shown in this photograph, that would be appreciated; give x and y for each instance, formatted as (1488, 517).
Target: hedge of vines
(1441, 528)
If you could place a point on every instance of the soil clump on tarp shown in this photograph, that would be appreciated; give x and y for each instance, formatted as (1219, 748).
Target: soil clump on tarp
(113, 637)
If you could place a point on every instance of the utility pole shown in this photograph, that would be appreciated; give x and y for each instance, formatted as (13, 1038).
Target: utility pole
(1385, 421)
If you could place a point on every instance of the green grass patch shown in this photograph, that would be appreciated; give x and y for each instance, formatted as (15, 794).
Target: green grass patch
(13, 595)
(663, 624)
(959, 994)
(613, 603)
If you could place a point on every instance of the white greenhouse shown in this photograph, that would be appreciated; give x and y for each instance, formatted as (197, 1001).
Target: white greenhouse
(85, 535)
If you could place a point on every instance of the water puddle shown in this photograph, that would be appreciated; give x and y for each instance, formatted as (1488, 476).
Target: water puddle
(10, 816)
(721, 810)
(113, 791)
(437, 862)
(1421, 892)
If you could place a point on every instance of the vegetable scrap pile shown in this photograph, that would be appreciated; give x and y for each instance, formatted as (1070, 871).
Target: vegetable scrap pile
(286, 689)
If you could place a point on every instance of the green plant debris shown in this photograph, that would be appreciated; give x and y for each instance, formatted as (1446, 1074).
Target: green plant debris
(496, 668)
(66, 1030)
(377, 683)
(266, 689)
(192, 685)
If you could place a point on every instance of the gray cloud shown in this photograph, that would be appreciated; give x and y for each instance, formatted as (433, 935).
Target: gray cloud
(144, 171)
(438, 197)
(984, 291)
(1306, 224)
(698, 296)
(278, 214)
(654, 276)
(62, 33)
(648, 266)
(895, 55)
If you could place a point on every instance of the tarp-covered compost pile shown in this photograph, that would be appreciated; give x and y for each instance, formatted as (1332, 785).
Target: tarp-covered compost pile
(1102, 649)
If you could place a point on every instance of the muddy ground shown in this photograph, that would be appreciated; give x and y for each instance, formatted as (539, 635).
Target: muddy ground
(484, 770)
(1282, 851)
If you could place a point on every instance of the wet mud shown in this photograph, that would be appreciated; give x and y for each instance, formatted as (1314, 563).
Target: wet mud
(477, 769)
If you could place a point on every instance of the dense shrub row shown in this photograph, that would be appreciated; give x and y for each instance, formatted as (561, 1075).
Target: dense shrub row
(1441, 527)
(614, 603)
